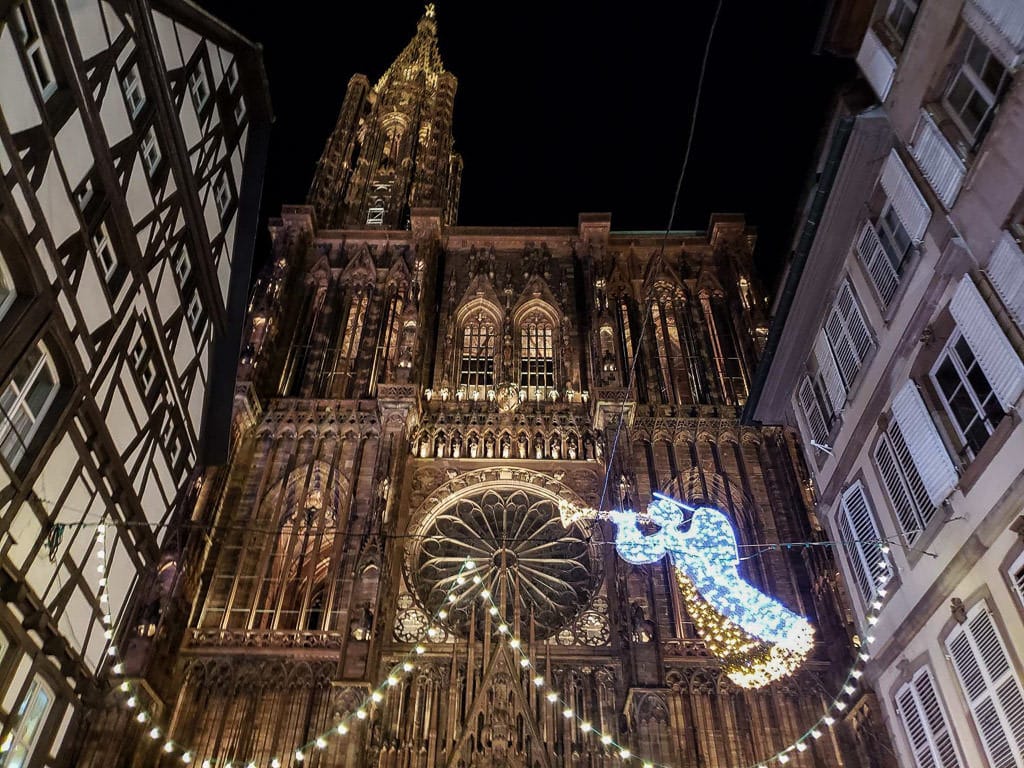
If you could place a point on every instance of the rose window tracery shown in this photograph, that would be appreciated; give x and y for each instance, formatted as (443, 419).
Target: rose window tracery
(521, 553)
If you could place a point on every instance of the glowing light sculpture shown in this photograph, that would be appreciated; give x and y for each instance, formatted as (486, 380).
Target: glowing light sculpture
(757, 639)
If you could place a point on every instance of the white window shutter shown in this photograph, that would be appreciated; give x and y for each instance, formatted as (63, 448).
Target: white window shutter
(861, 541)
(829, 373)
(924, 720)
(812, 412)
(1017, 576)
(926, 449)
(899, 493)
(997, 358)
(991, 686)
(907, 200)
(847, 334)
(1006, 273)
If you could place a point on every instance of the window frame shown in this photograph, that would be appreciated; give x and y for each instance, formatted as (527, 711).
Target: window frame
(15, 733)
(150, 151)
(20, 400)
(538, 360)
(194, 317)
(898, 33)
(223, 194)
(106, 254)
(133, 89)
(963, 69)
(142, 362)
(909, 482)
(948, 352)
(27, 31)
(179, 258)
(477, 371)
(8, 290)
(199, 81)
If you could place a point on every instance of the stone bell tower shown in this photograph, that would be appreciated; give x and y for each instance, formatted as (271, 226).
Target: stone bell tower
(391, 149)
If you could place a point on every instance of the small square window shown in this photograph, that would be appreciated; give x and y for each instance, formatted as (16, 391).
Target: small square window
(105, 253)
(25, 401)
(194, 312)
(142, 362)
(151, 154)
(222, 193)
(199, 86)
(900, 18)
(182, 265)
(26, 29)
(134, 93)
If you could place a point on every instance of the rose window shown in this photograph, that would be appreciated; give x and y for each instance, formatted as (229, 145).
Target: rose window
(521, 553)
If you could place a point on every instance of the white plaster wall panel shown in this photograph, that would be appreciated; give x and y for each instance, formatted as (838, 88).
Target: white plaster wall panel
(87, 21)
(229, 237)
(71, 319)
(125, 54)
(191, 131)
(16, 99)
(121, 573)
(63, 463)
(119, 423)
(137, 406)
(114, 23)
(22, 202)
(144, 236)
(167, 299)
(138, 457)
(5, 161)
(225, 57)
(17, 682)
(168, 40)
(5, 480)
(95, 310)
(184, 349)
(58, 212)
(25, 530)
(236, 170)
(79, 623)
(39, 572)
(243, 138)
(196, 400)
(224, 277)
(139, 198)
(188, 40)
(163, 474)
(213, 53)
(154, 505)
(114, 114)
(169, 188)
(73, 148)
(46, 260)
(210, 214)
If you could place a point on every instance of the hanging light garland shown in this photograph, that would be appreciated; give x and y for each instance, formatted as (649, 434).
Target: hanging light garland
(740, 650)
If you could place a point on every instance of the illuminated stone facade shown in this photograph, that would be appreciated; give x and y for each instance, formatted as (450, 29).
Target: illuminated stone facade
(414, 393)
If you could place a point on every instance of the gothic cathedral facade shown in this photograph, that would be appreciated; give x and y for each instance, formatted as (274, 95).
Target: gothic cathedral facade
(414, 394)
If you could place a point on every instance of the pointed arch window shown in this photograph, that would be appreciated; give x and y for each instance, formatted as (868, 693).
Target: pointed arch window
(536, 355)
(476, 369)
(354, 324)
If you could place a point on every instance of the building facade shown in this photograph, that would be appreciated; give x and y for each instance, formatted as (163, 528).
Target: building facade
(896, 352)
(416, 396)
(132, 141)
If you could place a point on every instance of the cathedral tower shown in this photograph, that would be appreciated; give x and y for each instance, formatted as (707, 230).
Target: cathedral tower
(391, 149)
(414, 395)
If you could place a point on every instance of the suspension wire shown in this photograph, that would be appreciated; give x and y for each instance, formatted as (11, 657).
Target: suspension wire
(656, 261)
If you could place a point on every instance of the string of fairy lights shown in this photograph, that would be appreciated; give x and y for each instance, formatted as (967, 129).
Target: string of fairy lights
(134, 700)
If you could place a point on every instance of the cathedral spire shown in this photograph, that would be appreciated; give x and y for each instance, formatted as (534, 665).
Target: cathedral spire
(392, 147)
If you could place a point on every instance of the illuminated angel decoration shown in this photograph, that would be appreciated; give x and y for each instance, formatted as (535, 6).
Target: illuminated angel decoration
(757, 639)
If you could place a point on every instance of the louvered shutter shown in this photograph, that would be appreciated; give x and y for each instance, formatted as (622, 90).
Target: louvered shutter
(896, 487)
(829, 372)
(991, 686)
(861, 541)
(925, 722)
(847, 334)
(907, 200)
(812, 412)
(997, 358)
(925, 446)
(1006, 272)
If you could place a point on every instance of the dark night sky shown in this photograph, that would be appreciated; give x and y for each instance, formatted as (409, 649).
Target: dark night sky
(565, 107)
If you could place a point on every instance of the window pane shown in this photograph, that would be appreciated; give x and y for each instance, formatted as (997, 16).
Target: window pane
(40, 391)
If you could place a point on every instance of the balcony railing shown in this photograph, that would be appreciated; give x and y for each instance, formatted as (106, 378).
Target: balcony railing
(876, 260)
(1007, 16)
(877, 64)
(938, 161)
